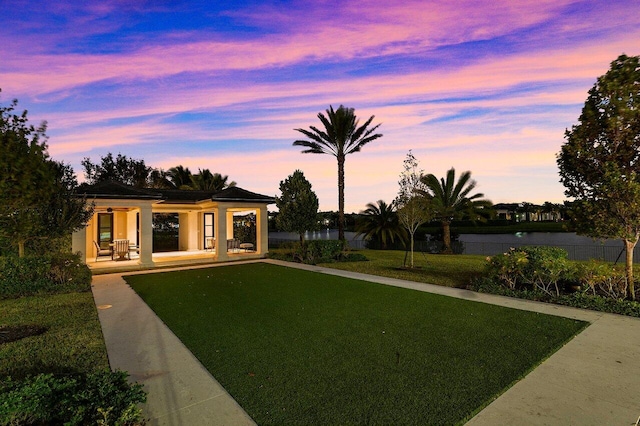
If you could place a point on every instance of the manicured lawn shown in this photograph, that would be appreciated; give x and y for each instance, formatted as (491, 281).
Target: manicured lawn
(297, 347)
(445, 270)
(72, 341)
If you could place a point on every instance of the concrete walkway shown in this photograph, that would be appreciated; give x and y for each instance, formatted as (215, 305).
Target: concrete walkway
(593, 380)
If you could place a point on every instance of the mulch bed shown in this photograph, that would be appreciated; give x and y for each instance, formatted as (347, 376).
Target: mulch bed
(12, 333)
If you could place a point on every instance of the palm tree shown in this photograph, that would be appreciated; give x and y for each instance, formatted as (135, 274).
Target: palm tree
(207, 181)
(180, 177)
(380, 223)
(341, 136)
(451, 201)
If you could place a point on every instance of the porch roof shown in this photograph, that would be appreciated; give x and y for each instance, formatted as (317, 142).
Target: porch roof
(117, 190)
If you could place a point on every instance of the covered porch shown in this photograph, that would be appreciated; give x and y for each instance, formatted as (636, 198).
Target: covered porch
(134, 228)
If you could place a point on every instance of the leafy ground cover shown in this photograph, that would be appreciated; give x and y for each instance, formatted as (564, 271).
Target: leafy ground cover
(298, 347)
(66, 335)
(445, 270)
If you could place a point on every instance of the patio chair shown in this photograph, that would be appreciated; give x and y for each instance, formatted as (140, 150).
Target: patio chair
(210, 244)
(233, 245)
(121, 249)
(101, 251)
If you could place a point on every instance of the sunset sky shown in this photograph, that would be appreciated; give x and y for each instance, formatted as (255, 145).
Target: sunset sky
(487, 86)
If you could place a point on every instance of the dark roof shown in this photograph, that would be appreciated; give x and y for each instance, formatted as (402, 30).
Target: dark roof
(184, 196)
(234, 193)
(112, 189)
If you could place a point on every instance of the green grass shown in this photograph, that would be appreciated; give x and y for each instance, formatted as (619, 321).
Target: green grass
(73, 341)
(445, 270)
(298, 347)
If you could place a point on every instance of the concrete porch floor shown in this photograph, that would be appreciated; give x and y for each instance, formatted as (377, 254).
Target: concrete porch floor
(169, 259)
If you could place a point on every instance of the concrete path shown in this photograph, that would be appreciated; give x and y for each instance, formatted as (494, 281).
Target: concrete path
(593, 380)
(180, 391)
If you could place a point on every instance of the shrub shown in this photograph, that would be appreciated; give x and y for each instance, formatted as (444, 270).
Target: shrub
(312, 252)
(95, 398)
(602, 279)
(323, 250)
(58, 273)
(536, 268)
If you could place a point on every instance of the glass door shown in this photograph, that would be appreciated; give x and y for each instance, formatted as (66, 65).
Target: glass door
(105, 230)
(208, 230)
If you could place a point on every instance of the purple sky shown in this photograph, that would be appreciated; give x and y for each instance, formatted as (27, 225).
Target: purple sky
(486, 86)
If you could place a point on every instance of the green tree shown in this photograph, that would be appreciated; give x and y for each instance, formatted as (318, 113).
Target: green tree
(298, 205)
(341, 136)
(413, 209)
(600, 160)
(380, 223)
(37, 198)
(120, 169)
(451, 200)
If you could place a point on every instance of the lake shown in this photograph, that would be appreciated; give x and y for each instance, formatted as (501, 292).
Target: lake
(578, 247)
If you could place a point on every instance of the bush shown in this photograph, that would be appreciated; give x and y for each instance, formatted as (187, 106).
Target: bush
(312, 252)
(58, 273)
(318, 251)
(534, 268)
(602, 279)
(96, 398)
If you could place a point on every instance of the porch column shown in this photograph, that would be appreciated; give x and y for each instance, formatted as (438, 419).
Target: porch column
(79, 243)
(146, 236)
(194, 231)
(221, 233)
(262, 231)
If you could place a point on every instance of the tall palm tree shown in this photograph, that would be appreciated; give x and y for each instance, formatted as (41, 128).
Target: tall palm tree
(451, 200)
(341, 136)
(380, 223)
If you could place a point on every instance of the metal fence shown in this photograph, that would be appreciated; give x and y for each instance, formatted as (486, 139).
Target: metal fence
(575, 252)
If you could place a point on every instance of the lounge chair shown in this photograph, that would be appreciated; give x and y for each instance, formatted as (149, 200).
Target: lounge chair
(101, 251)
(210, 244)
(121, 249)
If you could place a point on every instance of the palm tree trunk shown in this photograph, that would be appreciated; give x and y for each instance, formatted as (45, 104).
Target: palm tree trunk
(446, 237)
(341, 159)
(20, 248)
(629, 246)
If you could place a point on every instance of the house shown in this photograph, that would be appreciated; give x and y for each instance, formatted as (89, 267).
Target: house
(164, 227)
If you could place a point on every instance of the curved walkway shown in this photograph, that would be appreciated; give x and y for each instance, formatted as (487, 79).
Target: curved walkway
(592, 380)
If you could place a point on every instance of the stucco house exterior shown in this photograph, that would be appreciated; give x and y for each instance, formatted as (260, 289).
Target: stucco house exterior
(200, 226)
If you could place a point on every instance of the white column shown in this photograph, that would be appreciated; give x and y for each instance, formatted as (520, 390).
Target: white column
(146, 236)
(194, 231)
(79, 243)
(262, 231)
(220, 217)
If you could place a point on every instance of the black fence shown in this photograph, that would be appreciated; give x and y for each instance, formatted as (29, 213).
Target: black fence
(597, 251)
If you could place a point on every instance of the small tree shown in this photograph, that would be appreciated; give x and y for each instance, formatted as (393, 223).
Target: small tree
(600, 160)
(298, 205)
(37, 199)
(413, 209)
